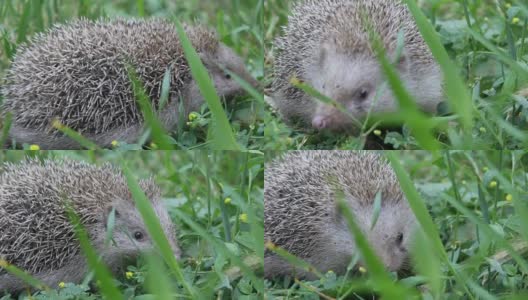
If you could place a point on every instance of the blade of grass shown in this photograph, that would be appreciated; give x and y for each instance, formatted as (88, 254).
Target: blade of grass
(424, 219)
(157, 280)
(293, 260)
(23, 275)
(457, 94)
(23, 24)
(5, 130)
(159, 136)
(420, 124)
(102, 273)
(223, 138)
(74, 135)
(155, 230)
(384, 284)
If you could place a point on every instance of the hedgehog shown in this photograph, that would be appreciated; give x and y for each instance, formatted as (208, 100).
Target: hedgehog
(326, 45)
(78, 75)
(36, 234)
(301, 216)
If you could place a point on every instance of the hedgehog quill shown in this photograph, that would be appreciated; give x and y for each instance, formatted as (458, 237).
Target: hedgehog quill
(36, 235)
(326, 44)
(76, 74)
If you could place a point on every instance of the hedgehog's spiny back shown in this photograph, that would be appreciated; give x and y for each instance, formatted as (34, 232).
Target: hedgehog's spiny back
(359, 174)
(77, 72)
(314, 22)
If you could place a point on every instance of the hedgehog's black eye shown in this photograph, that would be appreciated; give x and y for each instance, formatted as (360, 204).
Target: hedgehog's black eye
(399, 238)
(363, 94)
(138, 235)
(227, 76)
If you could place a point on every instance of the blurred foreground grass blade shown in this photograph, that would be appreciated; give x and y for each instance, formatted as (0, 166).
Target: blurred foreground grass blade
(382, 281)
(23, 24)
(140, 7)
(457, 94)
(6, 123)
(157, 280)
(422, 215)
(223, 138)
(23, 275)
(293, 260)
(221, 247)
(426, 264)
(74, 135)
(417, 205)
(158, 136)
(421, 125)
(155, 230)
(102, 273)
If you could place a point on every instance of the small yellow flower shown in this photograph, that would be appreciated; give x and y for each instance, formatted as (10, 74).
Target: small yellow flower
(227, 200)
(509, 197)
(377, 132)
(330, 272)
(270, 245)
(3, 263)
(129, 275)
(62, 285)
(483, 129)
(243, 218)
(508, 5)
(153, 145)
(57, 124)
(485, 169)
(515, 20)
(34, 147)
(362, 270)
(295, 81)
(493, 184)
(193, 116)
(115, 143)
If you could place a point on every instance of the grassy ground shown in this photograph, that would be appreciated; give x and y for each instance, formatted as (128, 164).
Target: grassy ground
(241, 31)
(215, 199)
(472, 242)
(486, 40)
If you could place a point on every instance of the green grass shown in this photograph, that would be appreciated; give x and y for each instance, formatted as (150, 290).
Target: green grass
(218, 125)
(481, 47)
(472, 211)
(221, 239)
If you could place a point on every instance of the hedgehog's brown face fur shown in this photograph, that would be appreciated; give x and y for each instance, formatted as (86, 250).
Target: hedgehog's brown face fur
(355, 81)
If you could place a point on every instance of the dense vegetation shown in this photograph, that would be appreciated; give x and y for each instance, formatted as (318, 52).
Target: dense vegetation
(472, 238)
(215, 199)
